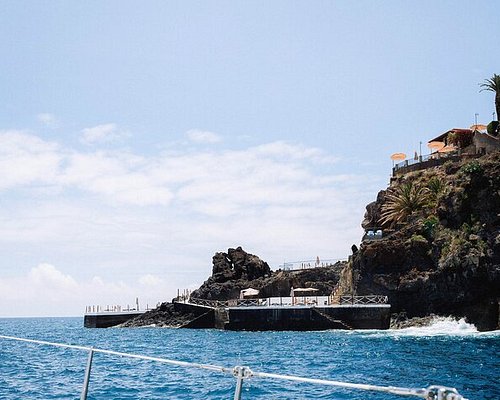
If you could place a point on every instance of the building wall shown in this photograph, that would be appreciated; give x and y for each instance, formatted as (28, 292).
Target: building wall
(487, 142)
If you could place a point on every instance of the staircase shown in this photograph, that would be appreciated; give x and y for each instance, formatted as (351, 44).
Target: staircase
(336, 323)
(221, 317)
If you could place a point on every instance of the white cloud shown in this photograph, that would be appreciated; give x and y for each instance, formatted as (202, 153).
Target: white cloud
(47, 119)
(150, 280)
(26, 159)
(102, 134)
(199, 136)
(146, 218)
(45, 290)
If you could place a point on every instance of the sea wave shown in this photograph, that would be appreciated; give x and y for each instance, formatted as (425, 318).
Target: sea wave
(438, 326)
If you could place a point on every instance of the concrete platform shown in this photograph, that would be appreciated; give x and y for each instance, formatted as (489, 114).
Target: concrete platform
(107, 319)
(308, 318)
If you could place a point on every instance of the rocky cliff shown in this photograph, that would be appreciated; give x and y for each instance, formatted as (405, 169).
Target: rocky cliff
(234, 271)
(440, 251)
(237, 270)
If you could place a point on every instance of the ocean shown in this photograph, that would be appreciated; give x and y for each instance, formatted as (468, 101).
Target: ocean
(450, 353)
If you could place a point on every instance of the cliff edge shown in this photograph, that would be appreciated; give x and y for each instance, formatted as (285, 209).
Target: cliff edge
(440, 248)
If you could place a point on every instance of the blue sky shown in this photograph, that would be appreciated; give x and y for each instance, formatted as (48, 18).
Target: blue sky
(138, 139)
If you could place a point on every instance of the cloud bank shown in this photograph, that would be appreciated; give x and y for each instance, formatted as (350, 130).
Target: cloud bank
(47, 291)
(156, 220)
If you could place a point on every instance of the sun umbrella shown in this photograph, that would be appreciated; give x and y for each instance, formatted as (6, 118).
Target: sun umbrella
(478, 127)
(447, 149)
(398, 156)
(436, 146)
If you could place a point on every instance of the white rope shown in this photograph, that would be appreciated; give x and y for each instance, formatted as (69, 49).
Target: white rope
(117, 353)
(432, 392)
(388, 389)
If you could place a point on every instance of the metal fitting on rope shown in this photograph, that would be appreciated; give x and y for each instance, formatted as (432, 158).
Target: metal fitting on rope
(242, 372)
(442, 393)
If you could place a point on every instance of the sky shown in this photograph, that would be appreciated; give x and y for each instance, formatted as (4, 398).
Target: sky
(139, 138)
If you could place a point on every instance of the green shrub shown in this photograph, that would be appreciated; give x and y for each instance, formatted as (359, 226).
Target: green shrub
(448, 167)
(492, 128)
(472, 168)
(429, 225)
(418, 238)
(436, 186)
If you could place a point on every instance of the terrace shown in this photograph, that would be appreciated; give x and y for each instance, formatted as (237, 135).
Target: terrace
(452, 145)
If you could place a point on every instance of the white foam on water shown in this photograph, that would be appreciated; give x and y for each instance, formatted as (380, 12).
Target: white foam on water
(439, 326)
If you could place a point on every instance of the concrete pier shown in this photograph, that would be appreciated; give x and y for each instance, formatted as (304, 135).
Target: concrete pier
(108, 319)
(308, 318)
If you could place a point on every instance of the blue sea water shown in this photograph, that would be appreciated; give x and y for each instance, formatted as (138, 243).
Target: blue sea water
(449, 353)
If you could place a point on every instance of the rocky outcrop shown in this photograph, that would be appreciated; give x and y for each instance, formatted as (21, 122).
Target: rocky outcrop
(445, 258)
(232, 272)
(237, 270)
(165, 315)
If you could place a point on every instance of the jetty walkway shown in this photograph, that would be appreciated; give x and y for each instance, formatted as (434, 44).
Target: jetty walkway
(289, 301)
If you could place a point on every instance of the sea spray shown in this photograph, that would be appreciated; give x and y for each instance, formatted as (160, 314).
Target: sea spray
(438, 326)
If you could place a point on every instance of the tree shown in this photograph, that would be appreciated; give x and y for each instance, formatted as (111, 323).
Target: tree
(493, 85)
(404, 201)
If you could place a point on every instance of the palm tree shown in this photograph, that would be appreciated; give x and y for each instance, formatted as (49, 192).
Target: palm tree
(436, 187)
(493, 85)
(403, 201)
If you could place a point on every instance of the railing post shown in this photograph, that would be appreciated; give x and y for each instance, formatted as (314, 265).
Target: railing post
(240, 373)
(86, 380)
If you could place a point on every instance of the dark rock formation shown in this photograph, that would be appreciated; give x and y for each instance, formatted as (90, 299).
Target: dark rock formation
(444, 259)
(237, 270)
(238, 264)
(373, 210)
(165, 315)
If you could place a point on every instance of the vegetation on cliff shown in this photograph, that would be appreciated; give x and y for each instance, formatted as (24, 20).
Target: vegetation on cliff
(493, 85)
(441, 247)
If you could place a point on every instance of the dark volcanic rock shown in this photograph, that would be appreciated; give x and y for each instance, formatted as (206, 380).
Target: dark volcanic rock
(162, 316)
(238, 264)
(445, 259)
(237, 270)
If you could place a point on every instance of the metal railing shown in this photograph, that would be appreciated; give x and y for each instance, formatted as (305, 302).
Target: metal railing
(266, 302)
(370, 299)
(243, 372)
(309, 264)
(207, 302)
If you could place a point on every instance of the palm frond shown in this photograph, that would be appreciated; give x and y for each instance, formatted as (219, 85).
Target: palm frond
(403, 201)
(492, 84)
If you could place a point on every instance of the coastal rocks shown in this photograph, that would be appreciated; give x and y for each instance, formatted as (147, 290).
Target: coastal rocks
(444, 259)
(232, 272)
(238, 264)
(373, 211)
(237, 270)
(164, 316)
(401, 321)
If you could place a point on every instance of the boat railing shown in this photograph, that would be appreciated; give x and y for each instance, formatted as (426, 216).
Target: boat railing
(240, 373)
